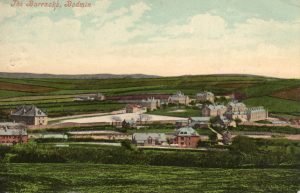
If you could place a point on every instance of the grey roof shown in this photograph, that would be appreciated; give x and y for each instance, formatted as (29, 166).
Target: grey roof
(16, 132)
(29, 110)
(238, 104)
(141, 137)
(216, 107)
(186, 131)
(205, 93)
(224, 119)
(200, 119)
(106, 132)
(237, 113)
(10, 125)
(256, 109)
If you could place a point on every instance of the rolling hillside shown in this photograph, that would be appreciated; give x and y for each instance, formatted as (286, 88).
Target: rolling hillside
(280, 96)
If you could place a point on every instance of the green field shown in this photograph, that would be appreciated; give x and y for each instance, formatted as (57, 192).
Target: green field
(276, 105)
(56, 95)
(127, 178)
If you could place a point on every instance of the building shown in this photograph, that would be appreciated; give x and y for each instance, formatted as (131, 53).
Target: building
(257, 114)
(134, 108)
(186, 137)
(149, 139)
(90, 97)
(224, 122)
(205, 96)
(199, 122)
(129, 123)
(179, 98)
(151, 104)
(181, 123)
(236, 110)
(226, 137)
(84, 98)
(99, 135)
(236, 107)
(237, 115)
(99, 97)
(30, 115)
(213, 110)
(13, 133)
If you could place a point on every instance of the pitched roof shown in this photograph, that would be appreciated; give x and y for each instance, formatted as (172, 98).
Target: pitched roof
(223, 119)
(216, 107)
(15, 132)
(133, 106)
(141, 137)
(106, 132)
(186, 131)
(10, 125)
(200, 119)
(256, 109)
(205, 93)
(237, 104)
(29, 110)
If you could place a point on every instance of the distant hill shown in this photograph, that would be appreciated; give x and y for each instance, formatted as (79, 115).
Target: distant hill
(77, 76)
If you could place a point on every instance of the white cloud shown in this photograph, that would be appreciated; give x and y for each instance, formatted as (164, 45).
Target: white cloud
(206, 25)
(202, 44)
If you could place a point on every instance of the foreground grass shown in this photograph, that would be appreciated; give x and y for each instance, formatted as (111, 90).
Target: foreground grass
(125, 178)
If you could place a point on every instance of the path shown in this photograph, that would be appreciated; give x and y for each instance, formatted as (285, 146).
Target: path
(219, 136)
(85, 115)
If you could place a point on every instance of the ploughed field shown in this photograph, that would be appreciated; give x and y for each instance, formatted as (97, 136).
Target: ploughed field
(124, 178)
(280, 96)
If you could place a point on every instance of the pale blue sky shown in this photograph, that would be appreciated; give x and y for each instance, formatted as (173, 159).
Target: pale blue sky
(129, 36)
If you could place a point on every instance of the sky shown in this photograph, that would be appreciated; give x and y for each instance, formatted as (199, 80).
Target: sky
(158, 37)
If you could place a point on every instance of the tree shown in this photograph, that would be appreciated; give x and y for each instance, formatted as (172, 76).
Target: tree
(238, 120)
(127, 144)
(213, 138)
(213, 120)
(243, 144)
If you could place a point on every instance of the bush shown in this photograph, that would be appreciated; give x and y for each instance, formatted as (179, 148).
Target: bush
(243, 144)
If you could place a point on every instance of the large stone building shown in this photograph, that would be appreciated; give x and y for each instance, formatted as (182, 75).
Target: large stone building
(151, 104)
(179, 98)
(186, 137)
(213, 110)
(236, 110)
(149, 139)
(257, 113)
(30, 115)
(135, 108)
(205, 96)
(236, 107)
(91, 97)
(224, 122)
(105, 135)
(12, 133)
(199, 122)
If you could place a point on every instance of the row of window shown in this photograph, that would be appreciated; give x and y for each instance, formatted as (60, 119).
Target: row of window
(10, 137)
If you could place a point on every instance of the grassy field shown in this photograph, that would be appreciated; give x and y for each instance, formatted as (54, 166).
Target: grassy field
(49, 92)
(124, 178)
(276, 105)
